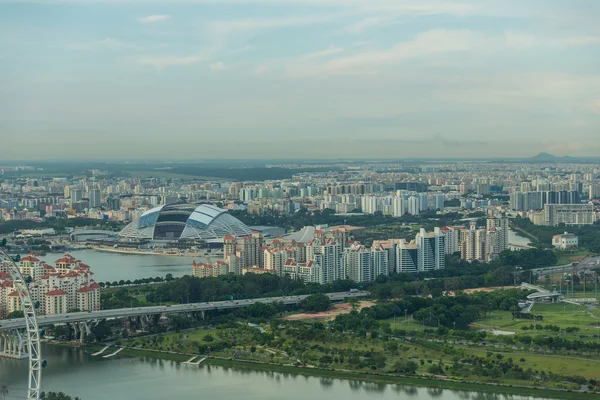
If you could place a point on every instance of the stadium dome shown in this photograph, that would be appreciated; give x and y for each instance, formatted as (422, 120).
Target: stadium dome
(184, 221)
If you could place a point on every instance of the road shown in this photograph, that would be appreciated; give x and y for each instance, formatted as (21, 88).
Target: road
(46, 320)
(587, 264)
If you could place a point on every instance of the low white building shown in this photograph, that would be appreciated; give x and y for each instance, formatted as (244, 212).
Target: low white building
(565, 241)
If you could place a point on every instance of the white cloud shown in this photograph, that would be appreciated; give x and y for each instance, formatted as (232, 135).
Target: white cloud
(364, 25)
(257, 24)
(596, 106)
(579, 40)
(561, 146)
(322, 53)
(518, 40)
(217, 67)
(439, 41)
(260, 70)
(153, 18)
(108, 43)
(170, 61)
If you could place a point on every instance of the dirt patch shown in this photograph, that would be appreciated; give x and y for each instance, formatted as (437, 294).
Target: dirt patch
(489, 289)
(329, 315)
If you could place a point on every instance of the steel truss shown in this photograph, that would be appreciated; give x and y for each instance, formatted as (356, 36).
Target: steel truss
(33, 333)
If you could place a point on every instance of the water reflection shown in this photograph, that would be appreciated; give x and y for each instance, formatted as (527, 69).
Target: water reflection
(435, 392)
(326, 383)
(92, 378)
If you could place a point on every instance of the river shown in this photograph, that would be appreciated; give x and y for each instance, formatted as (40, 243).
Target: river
(76, 372)
(116, 266)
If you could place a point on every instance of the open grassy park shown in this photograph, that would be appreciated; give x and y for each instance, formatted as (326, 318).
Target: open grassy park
(563, 315)
(572, 256)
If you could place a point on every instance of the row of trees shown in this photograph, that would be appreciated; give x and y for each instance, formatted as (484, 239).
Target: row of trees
(189, 289)
(142, 281)
(451, 312)
(458, 275)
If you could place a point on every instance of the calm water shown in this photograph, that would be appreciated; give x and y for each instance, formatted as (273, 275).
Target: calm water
(78, 374)
(115, 266)
(513, 238)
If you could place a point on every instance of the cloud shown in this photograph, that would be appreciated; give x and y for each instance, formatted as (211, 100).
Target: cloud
(364, 25)
(596, 106)
(217, 67)
(322, 53)
(517, 40)
(108, 43)
(439, 41)
(170, 61)
(256, 24)
(580, 40)
(428, 139)
(553, 145)
(153, 18)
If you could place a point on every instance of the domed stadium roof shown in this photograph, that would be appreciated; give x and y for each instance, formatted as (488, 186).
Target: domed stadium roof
(185, 221)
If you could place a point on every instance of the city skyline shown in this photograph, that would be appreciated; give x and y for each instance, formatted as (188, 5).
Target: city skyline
(330, 79)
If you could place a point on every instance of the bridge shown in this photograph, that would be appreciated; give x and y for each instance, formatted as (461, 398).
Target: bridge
(82, 235)
(11, 329)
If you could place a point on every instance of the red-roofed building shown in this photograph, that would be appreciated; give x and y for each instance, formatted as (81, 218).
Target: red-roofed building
(62, 285)
(55, 302)
(88, 297)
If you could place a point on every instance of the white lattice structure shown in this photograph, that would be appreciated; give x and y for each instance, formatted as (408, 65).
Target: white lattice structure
(184, 221)
(32, 331)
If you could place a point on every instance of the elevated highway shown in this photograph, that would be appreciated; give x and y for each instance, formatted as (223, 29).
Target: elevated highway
(84, 317)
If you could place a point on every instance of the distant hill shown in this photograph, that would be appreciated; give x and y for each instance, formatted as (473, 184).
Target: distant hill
(545, 157)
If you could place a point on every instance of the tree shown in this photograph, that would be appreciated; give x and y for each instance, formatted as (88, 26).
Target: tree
(3, 388)
(3, 244)
(15, 314)
(354, 302)
(57, 396)
(316, 303)
(101, 331)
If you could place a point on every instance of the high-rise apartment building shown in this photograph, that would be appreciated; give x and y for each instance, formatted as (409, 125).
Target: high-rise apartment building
(94, 197)
(522, 201)
(431, 250)
(569, 214)
(76, 195)
(252, 250)
(501, 228)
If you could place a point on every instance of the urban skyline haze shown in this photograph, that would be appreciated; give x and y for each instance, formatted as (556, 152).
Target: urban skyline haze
(117, 79)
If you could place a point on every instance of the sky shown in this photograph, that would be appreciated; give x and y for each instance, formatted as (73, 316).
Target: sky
(207, 79)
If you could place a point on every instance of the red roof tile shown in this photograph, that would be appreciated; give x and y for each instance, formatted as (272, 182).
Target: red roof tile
(56, 292)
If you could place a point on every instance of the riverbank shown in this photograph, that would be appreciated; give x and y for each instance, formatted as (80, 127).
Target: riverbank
(149, 253)
(427, 382)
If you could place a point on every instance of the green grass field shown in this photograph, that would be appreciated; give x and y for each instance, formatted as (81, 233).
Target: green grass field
(563, 315)
(550, 363)
(577, 256)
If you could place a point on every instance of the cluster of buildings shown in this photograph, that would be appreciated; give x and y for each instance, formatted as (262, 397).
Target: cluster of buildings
(327, 256)
(479, 243)
(391, 189)
(322, 254)
(66, 286)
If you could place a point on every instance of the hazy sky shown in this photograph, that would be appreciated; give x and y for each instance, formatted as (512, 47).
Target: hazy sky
(298, 78)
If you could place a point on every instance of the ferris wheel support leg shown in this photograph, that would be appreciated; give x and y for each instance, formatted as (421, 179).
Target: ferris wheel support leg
(32, 334)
